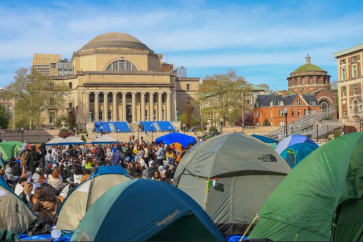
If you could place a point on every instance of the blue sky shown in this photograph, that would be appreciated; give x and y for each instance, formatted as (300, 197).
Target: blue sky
(263, 40)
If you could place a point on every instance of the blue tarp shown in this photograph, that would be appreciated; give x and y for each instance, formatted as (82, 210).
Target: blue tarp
(265, 139)
(133, 211)
(4, 184)
(182, 139)
(291, 140)
(297, 152)
(104, 170)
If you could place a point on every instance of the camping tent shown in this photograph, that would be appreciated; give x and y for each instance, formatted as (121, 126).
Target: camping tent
(71, 140)
(265, 139)
(104, 139)
(182, 139)
(327, 184)
(76, 205)
(291, 140)
(231, 176)
(297, 152)
(146, 210)
(10, 149)
(55, 141)
(15, 215)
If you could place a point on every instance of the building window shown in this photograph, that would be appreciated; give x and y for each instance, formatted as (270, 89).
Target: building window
(342, 62)
(281, 112)
(271, 103)
(312, 103)
(311, 80)
(91, 98)
(281, 103)
(355, 106)
(247, 101)
(70, 105)
(257, 114)
(51, 101)
(70, 85)
(298, 102)
(109, 115)
(354, 71)
(254, 94)
(109, 99)
(355, 89)
(100, 98)
(293, 112)
(270, 113)
(299, 112)
(354, 59)
(305, 112)
(100, 115)
(52, 117)
(121, 65)
(343, 74)
(344, 91)
(302, 81)
(188, 87)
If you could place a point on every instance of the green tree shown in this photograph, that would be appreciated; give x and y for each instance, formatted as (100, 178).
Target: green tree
(266, 122)
(83, 138)
(34, 94)
(3, 119)
(188, 118)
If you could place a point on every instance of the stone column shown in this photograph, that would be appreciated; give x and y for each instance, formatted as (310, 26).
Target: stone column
(124, 106)
(114, 107)
(160, 107)
(96, 109)
(133, 107)
(105, 107)
(142, 115)
(87, 107)
(168, 108)
(151, 106)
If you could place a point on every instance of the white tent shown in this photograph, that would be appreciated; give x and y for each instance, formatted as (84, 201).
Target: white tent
(71, 140)
(54, 141)
(104, 139)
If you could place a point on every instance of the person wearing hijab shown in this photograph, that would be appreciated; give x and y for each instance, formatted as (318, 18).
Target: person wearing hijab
(23, 148)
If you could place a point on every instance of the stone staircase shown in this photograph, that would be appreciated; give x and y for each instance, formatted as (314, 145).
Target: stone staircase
(112, 127)
(325, 129)
(298, 126)
(133, 127)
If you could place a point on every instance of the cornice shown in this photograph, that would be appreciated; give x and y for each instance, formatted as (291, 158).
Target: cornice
(117, 84)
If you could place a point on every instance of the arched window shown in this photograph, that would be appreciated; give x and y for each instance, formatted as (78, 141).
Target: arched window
(121, 65)
(311, 80)
(302, 81)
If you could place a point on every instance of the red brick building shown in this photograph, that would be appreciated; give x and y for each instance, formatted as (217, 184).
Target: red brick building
(271, 107)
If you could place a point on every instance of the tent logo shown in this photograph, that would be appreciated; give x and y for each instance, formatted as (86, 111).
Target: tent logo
(168, 219)
(267, 158)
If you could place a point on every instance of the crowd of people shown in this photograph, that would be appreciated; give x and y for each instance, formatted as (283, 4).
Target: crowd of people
(43, 177)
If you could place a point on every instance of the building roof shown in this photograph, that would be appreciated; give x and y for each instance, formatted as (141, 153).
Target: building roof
(264, 100)
(308, 67)
(115, 39)
(349, 50)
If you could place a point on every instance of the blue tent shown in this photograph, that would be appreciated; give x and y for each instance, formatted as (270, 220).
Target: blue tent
(2, 163)
(182, 139)
(104, 170)
(146, 210)
(265, 139)
(297, 152)
(291, 140)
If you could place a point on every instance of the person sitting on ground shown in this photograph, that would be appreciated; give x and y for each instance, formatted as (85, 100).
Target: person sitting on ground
(36, 175)
(56, 180)
(156, 176)
(88, 164)
(66, 191)
(34, 197)
(86, 175)
(152, 169)
(136, 175)
(78, 174)
(132, 169)
(20, 186)
(25, 195)
(47, 204)
(49, 159)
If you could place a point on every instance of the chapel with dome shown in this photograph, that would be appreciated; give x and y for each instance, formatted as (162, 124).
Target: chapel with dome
(116, 77)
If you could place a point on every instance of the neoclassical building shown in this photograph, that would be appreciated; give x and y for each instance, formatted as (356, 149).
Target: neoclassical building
(116, 77)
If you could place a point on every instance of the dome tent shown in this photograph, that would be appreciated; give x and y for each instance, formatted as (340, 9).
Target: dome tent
(10, 149)
(132, 211)
(291, 140)
(297, 152)
(15, 215)
(182, 139)
(76, 204)
(326, 185)
(231, 176)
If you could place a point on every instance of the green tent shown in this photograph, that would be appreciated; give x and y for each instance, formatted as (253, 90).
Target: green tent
(231, 176)
(327, 185)
(10, 149)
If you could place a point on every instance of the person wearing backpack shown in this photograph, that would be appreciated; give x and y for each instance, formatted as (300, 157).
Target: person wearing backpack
(32, 159)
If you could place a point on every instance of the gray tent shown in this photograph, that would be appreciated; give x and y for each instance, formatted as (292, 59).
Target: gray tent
(231, 176)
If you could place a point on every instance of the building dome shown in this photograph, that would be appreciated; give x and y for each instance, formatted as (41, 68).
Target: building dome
(115, 39)
(308, 67)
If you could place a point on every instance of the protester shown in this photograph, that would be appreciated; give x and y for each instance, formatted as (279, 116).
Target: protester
(86, 175)
(56, 180)
(160, 155)
(47, 204)
(25, 195)
(78, 174)
(20, 186)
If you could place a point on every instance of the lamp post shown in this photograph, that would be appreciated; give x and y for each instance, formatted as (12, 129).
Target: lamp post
(221, 121)
(299, 129)
(184, 128)
(317, 131)
(22, 134)
(285, 112)
(74, 131)
(152, 131)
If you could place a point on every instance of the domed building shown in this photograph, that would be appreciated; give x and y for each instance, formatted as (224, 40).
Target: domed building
(116, 77)
(311, 79)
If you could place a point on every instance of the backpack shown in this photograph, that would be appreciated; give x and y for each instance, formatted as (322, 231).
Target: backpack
(17, 170)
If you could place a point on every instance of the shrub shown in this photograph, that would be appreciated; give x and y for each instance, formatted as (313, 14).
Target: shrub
(213, 129)
(266, 122)
(336, 135)
(65, 134)
(83, 138)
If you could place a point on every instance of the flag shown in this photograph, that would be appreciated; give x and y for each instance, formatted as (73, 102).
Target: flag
(213, 182)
